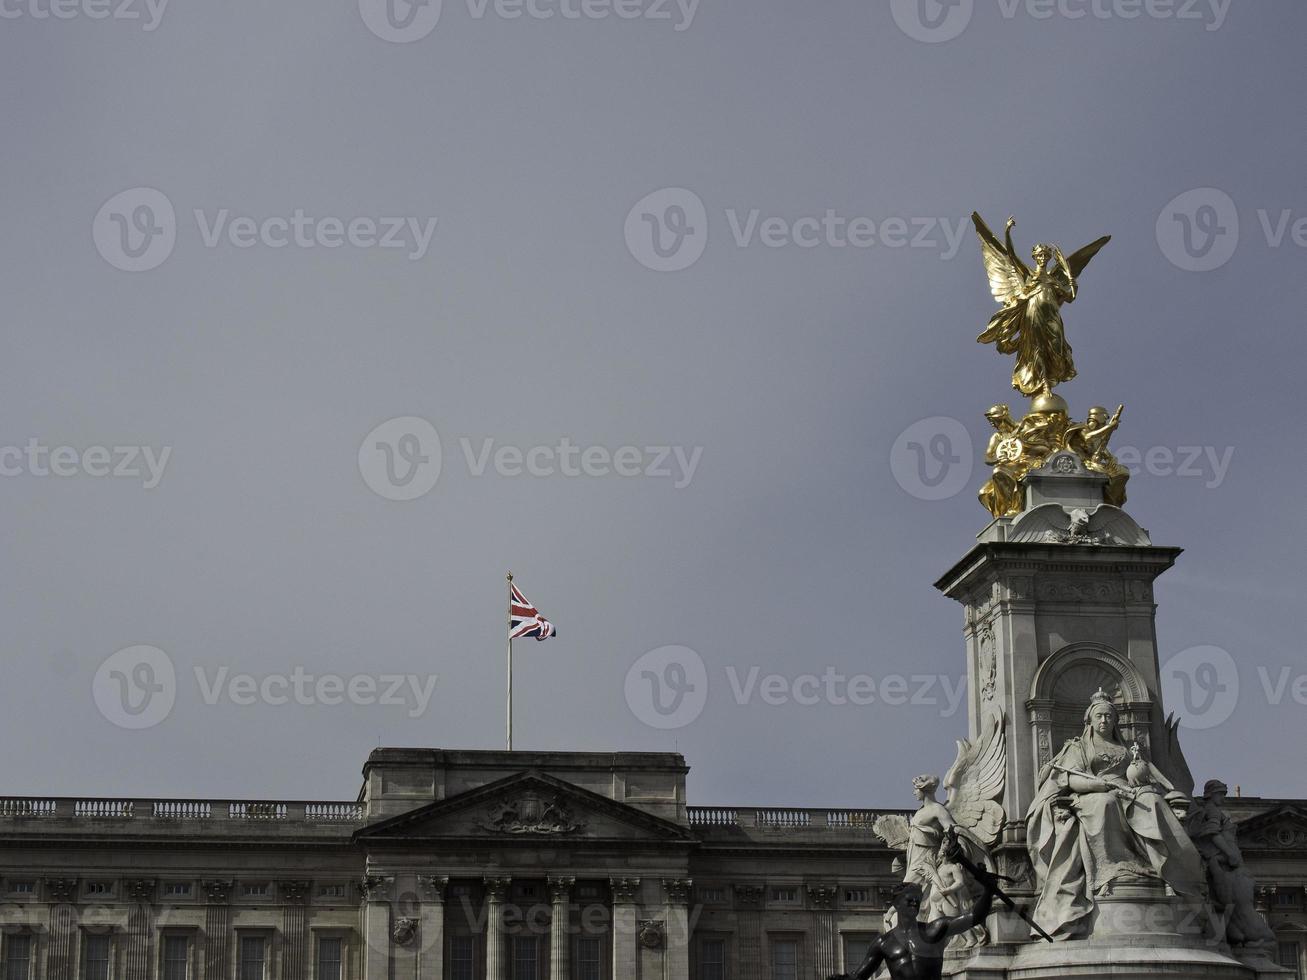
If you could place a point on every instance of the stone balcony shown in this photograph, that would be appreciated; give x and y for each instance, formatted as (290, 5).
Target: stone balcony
(815, 825)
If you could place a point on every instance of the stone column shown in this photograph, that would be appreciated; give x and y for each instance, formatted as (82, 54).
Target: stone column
(825, 938)
(431, 927)
(560, 901)
(217, 929)
(497, 966)
(676, 892)
(62, 892)
(376, 926)
(626, 951)
(748, 904)
(294, 928)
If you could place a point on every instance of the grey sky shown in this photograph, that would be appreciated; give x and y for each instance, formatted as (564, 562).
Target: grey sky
(529, 319)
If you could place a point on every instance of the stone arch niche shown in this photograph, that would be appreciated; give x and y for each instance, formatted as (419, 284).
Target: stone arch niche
(1066, 681)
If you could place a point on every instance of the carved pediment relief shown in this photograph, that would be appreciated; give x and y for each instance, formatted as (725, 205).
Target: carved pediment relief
(1284, 828)
(526, 806)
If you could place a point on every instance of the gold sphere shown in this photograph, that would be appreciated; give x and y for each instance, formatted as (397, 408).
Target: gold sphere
(1047, 402)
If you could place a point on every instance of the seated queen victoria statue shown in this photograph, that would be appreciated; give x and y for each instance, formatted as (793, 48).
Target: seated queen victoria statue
(1102, 816)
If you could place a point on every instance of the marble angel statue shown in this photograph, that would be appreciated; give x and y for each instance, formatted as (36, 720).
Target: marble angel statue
(1030, 322)
(975, 786)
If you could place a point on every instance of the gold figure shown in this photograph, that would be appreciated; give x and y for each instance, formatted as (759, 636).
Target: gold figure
(1030, 322)
(1016, 448)
(1088, 440)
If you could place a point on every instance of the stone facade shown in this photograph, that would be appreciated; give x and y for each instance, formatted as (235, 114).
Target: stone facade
(495, 865)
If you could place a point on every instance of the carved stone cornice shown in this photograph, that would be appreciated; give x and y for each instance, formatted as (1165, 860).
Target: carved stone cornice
(560, 888)
(821, 896)
(677, 890)
(497, 887)
(217, 892)
(294, 890)
(432, 887)
(748, 896)
(624, 889)
(61, 889)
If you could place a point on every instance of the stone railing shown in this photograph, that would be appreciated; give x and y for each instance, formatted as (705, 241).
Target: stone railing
(711, 818)
(179, 811)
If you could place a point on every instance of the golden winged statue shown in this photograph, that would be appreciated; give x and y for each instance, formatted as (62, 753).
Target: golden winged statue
(1030, 321)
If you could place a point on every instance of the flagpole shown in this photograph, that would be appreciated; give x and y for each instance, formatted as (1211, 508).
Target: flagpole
(510, 662)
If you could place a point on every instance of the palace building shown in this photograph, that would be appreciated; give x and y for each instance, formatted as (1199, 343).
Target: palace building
(482, 865)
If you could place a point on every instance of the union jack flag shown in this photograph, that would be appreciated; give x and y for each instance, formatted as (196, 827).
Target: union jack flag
(524, 619)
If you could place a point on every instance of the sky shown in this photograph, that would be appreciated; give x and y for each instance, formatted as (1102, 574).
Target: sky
(320, 318)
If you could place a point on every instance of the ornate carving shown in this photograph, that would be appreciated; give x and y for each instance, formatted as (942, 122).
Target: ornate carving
(821, 896)
(678, 890)
(404, 931)
(531, 813)
(432, 887)
(652, 933)
(61, 889)
(217, 892)
(1019, 587)
(294, 890)
(624, 889)
(375, 888)
(497, 887)
(1140, 591)
(1075, 590)
(139, 889)
(560, 888)
(748, 896)
(987, 660)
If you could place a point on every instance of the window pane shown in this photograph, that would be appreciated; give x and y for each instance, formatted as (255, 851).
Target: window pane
(462, 953)
(329, 948)
(18, 956)
(785, 960)
(252, 948)
(712, 959)
(589, 958)
(1289, 957)
(855, 951)
(176, 951)
(524, 958)
(97, 958)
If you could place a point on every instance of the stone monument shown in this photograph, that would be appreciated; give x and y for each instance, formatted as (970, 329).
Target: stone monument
(1096, 822)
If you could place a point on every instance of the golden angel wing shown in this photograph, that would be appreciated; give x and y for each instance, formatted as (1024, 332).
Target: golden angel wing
(1079, 259)
(977, 779)
(1004, 269)
(893, 829)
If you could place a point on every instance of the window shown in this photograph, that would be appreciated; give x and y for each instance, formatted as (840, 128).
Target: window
(329, 950)
(526, 952)
(1290, 956)
(335, 890)
(712, 959)
(588, 891)
(98, 888)
(176, 957)
(712, 896)
(1286, 898)
(784, 894)
(253, 953)
(18, 957)
(589, 958)
(96, 964)
(857, 896)
(855, 951)
(462, 958)
(255, 889)
(785, 959)
(22, 886)
(176, 889)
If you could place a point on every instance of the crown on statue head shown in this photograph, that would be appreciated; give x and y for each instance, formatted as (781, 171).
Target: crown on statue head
(1100, 697)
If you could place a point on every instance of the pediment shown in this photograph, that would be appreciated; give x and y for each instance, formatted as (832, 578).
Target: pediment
(1283, 828)
(526, 807)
